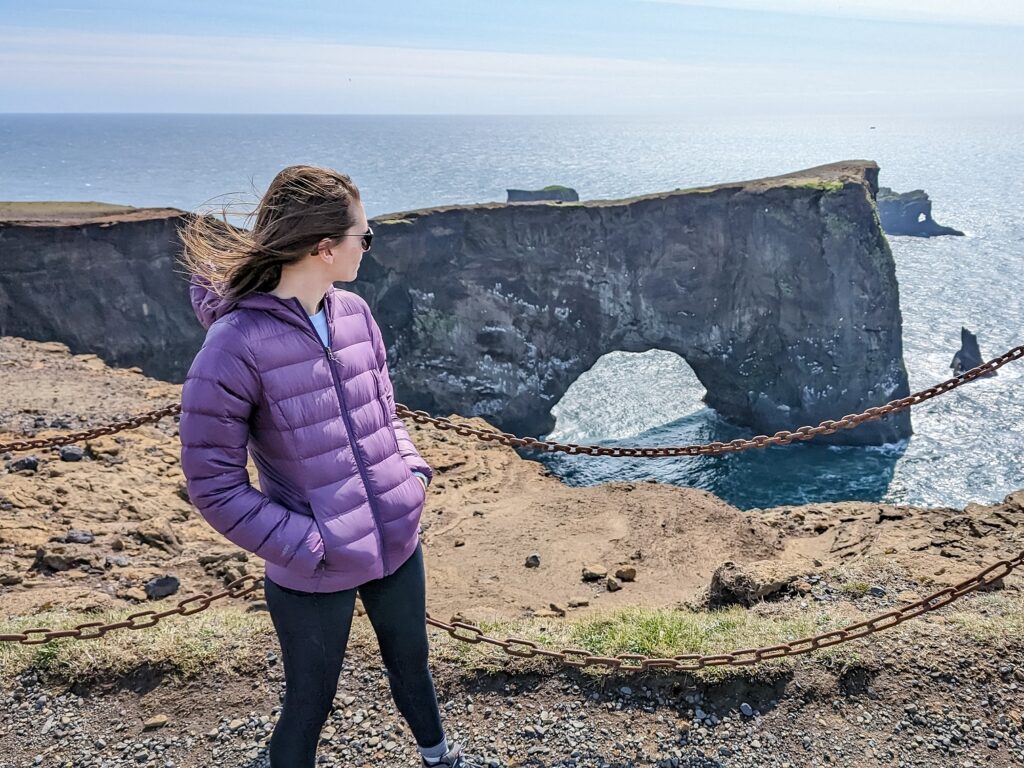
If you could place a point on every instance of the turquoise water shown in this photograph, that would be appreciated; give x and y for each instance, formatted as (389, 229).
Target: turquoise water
(967, 444)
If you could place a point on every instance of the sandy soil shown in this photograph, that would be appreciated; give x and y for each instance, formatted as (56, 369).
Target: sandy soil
(486, 512)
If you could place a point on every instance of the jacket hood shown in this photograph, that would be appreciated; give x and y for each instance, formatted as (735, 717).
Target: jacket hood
(207, 305)
(210, 307)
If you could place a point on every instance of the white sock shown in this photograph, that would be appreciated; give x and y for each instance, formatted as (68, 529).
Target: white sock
(434, 754)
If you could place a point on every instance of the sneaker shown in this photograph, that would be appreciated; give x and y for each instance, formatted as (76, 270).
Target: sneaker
(453, 758)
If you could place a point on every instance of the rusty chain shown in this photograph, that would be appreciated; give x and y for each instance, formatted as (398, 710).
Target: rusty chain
(89, 434)
(577, 657)
(710, 449)
(785, 437)
(688, 662)
(580, 657)
(94, 629)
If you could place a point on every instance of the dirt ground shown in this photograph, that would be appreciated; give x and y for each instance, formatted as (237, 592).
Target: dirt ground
(924, 699)
(487, 511)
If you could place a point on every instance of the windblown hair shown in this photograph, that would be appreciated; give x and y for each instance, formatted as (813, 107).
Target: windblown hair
(303, 205)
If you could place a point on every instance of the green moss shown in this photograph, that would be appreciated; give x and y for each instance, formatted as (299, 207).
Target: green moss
(829, 185)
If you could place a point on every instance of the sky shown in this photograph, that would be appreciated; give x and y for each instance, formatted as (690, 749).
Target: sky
(735, 58)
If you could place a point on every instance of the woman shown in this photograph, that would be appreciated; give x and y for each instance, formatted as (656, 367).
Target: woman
(295, 370)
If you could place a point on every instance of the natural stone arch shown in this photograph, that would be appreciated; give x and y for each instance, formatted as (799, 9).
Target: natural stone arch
(659, 385)
(780, 294)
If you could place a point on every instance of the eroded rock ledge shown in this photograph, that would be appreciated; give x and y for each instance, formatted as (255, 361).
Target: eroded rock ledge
(780, 293)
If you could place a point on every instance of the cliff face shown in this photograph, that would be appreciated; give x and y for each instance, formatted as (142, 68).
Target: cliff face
(780, 293)
(100, 279)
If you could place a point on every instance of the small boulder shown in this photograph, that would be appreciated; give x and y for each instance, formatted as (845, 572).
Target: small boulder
(158, 533)
(104, 446)
(161, 586)
(133, 593)
(24, 464)
(71, 453)
(74, 536)
(533, 560)
(612, 585)
(64, 557)
(594, 573)
(749, 584)
(157, 721)
(628, 573)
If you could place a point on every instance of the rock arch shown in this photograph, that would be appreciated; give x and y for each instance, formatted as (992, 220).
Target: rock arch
(780, 293)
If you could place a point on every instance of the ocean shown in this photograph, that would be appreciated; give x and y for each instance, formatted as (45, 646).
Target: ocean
(967, 444)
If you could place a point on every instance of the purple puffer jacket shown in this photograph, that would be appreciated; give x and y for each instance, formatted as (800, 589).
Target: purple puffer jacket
(338, 505)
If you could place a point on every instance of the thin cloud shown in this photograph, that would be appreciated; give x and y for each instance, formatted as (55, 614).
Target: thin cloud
(62, 70)
(983, 12)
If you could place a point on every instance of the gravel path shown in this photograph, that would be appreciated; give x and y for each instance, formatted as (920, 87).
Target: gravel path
(903, 713)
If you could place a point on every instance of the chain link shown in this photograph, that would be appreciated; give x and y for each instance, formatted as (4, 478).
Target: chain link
(575, 657)
(579, 658)
(826, 427)
(688, 662)
(89, 434)
(140, 620)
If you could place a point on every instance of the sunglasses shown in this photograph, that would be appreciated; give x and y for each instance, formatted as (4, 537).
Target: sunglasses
(367, 238)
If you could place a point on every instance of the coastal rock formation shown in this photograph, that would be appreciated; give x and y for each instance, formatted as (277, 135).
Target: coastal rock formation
(909, 213)
(780, 293)
(99, 278)
(969, 355)
(554, 192)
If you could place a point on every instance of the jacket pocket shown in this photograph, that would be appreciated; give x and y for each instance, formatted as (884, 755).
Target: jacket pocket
(323, 556)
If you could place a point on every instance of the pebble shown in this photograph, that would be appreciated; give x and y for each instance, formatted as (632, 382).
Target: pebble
(161, 586)
(969, 718)
(24, 464)
(71, 453)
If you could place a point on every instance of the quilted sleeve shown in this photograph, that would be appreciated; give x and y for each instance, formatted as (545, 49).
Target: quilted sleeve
(220, 392)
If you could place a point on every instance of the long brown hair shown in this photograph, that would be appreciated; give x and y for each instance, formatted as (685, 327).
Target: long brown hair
(303, 205)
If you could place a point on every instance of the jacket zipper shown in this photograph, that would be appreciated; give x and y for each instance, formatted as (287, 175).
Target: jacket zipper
(374, 512)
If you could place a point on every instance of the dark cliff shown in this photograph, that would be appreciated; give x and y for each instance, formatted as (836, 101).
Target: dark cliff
(780, 293)
(101, 279)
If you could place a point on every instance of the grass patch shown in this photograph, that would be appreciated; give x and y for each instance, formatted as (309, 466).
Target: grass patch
(855, 589)
(831, 185)
(228, 639)
(994, 619)
(224, 639)
(652, 632)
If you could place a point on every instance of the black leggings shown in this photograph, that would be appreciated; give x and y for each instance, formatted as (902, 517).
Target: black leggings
(313, 630)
